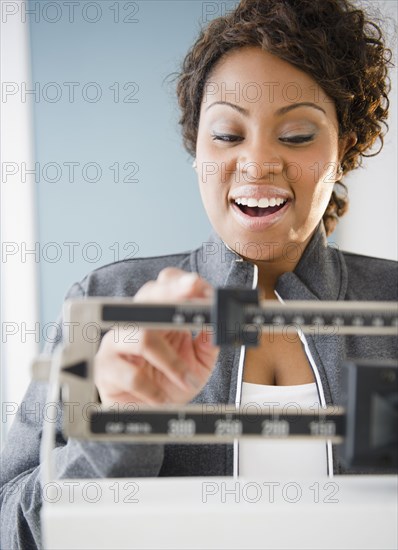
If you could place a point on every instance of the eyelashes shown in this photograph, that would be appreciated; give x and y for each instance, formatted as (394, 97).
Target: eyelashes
(295, 140)
(298, 139)
(229, 138)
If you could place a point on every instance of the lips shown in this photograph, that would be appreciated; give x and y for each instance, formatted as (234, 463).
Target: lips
(256, 218)
(257, 207)
(259, 193)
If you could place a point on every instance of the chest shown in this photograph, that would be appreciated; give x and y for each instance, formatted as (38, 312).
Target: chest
(279, 360)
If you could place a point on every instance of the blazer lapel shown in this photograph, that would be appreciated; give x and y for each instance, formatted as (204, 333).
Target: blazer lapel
(321, 274)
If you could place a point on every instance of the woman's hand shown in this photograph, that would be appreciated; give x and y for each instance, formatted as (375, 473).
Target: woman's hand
(160, 366)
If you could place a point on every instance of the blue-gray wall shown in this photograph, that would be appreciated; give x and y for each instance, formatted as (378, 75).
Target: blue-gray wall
(161, 212)
(98, 49)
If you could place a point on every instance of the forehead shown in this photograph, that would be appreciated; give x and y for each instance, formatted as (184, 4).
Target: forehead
(251, 75)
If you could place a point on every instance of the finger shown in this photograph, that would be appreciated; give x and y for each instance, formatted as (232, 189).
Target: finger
(172, 285)
(128, 384)
(170, 273)
(159, 353)
(196, 373)
(121, 380)
(151, 346)
(206, 352)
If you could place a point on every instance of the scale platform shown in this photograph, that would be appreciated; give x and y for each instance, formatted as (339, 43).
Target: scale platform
(343, 512)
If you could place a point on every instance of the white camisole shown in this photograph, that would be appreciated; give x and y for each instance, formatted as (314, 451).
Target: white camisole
(285, 458)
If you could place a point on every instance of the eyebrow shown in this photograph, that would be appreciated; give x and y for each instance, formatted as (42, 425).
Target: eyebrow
(279, 112)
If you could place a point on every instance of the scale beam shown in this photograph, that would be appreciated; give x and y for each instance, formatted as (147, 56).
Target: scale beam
(214, 424)
(365, 425)
(237, 317)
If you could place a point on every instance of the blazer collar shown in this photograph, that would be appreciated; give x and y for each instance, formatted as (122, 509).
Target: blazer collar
(320, 274)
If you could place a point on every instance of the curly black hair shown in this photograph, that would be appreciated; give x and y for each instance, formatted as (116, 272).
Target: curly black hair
(334, 41)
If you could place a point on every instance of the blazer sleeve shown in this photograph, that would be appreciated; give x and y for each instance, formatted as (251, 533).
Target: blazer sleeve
(21, 490)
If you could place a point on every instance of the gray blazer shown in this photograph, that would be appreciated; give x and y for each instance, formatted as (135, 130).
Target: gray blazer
(323, 273)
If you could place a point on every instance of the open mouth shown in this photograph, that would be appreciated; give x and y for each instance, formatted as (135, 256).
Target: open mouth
(258, 212)
(262, 211)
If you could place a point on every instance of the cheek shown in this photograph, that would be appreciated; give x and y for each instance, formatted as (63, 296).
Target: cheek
(213, 194)
(315, 187)
(318, 170)
(212, 176)
(313, 198)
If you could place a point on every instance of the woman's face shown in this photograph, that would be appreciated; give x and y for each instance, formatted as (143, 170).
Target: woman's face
(267, 133)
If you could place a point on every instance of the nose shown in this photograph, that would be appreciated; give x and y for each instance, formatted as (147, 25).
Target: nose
(258, 161)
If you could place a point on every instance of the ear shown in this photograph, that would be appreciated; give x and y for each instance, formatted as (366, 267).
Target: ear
(346, 143)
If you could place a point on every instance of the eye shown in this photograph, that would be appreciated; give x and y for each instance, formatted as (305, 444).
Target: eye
(228, 138)
(297, 139)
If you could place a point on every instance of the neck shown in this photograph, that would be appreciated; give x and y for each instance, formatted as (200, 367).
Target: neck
(268, 275)
(269, 271)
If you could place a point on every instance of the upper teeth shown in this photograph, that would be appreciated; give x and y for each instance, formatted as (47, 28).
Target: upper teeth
(262, 203)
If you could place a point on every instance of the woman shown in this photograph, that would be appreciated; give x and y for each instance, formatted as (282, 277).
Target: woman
(279, 100)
